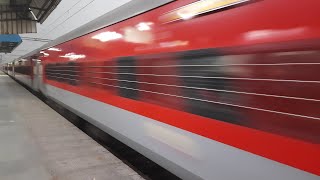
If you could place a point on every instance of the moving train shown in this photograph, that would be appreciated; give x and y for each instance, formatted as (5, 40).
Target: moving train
(209, 89)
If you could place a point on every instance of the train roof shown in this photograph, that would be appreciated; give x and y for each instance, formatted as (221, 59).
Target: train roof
(121, 13)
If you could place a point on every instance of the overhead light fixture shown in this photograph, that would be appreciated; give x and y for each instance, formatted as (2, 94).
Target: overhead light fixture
(107, 36)
(174, 43)
(44, 54)
(54, 49)
(73, 56)
(144, 26)
(196, 8)
(186, 15)
(34, 16)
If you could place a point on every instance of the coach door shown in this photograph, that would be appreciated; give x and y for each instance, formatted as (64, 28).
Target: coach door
(36, 74)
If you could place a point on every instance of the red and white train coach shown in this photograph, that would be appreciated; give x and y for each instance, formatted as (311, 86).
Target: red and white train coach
(210, 89)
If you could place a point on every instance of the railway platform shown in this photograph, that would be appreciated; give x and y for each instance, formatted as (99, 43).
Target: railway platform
(37, 143)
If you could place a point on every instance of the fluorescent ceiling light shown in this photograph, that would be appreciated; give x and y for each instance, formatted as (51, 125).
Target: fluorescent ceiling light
(54, 49)
(107, 36)
(73, 56)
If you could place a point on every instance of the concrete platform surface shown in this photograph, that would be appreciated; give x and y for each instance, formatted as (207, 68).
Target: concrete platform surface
(36, 143)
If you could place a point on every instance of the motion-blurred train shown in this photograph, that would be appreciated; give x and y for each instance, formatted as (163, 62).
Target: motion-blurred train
(209, 89)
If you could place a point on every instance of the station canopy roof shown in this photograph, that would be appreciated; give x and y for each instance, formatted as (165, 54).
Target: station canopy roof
(21, 16)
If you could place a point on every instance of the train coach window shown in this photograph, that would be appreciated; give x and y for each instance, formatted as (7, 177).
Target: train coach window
(200, 73)
(127, 80)
(63, 72)
(73, 73)
(47, 70)
(24, 69)
(59, 72)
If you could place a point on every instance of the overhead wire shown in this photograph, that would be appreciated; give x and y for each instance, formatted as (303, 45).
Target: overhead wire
(69, 17)
(64, 13)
